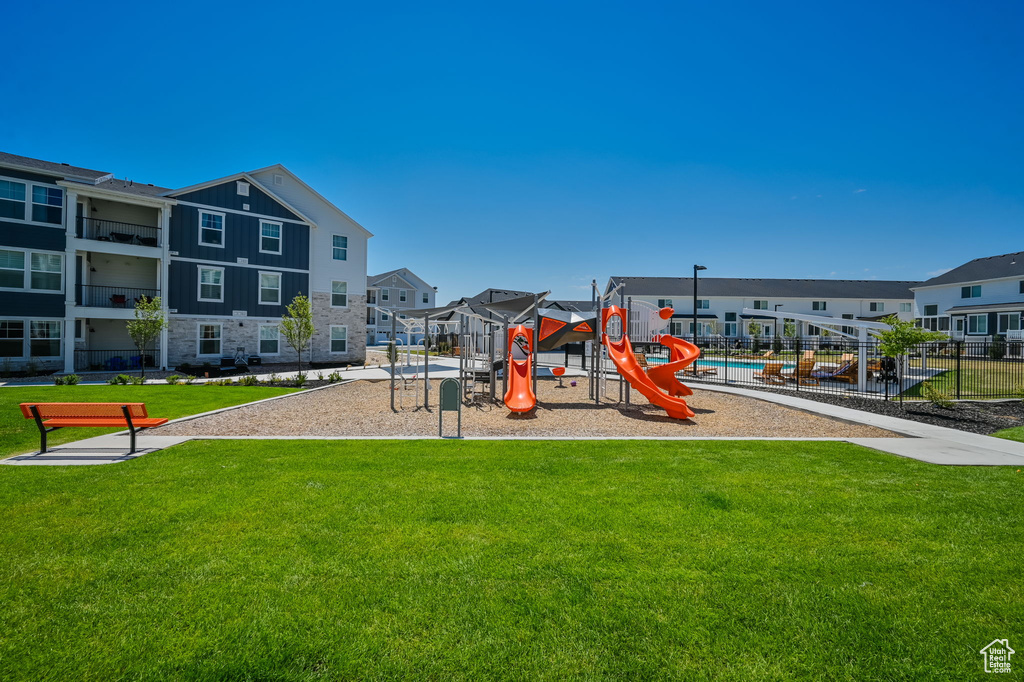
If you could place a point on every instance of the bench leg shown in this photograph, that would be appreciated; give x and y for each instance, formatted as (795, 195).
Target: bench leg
(42, 429)
(131, 427)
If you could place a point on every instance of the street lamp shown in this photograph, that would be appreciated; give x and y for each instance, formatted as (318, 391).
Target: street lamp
(695, 269)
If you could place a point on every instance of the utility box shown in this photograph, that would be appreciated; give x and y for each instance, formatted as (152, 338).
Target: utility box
(451, 401)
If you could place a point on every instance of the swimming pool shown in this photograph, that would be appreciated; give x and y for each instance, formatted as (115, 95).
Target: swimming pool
(733, 364)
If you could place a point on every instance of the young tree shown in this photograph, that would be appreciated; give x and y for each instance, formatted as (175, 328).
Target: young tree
(146, 327)
(754, 329)
(901, 338)
(297, 325)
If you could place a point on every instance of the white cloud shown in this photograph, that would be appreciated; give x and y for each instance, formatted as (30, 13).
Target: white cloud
(858, 191)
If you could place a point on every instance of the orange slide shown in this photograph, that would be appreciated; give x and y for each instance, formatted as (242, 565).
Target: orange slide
(681, 354)
(519, 364)
(621, 353)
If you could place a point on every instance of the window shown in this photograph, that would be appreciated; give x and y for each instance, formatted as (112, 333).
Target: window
(1009, 322)
(209, 339)
(977, 324)
(12, 201)
(906, 307)
(383, 316)
(931, 310)
(971, 291)
(761, 305)
(876, 306)
(211, 228)
(211, 284)
(339, 294)
(270, 288)
(46, 271)
(403, 295)
(819, 305)
(47, 204)
(371, 295)
(270, 339)
(426, 297)
(1021, 286)
(847, 330)
(385, 295)
(665, 303)
(44, 341)
(12, 270)
(730, 324)
(676, 328)
(703, 303)
(12, 338)
(813, 330)
(340, 246)
(339, 339)
(270, 237)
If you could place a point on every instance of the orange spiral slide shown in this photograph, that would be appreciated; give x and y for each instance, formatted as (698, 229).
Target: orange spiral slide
(621, 353)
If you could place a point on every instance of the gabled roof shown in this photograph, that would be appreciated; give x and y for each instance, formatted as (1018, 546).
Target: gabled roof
(979, 269)
(768, 288)
(572, 306)
(63, 170)
(401, 273)
(232, 178)
(280, 167)
(495, 295)
(129, 187)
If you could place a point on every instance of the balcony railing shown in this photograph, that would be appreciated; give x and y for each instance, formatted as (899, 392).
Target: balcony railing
(113, 360)
(112, 297)
(117, 232)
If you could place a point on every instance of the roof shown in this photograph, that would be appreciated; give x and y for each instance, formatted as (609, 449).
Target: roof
(129, 187)
(987, 307)
(990, 267)
(494, 295)
(53, 168)
(767, 288)
(303, 183)
(574, 306)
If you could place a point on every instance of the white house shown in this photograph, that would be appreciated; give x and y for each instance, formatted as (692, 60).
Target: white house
(395, 289)
(976, 300)
(721, 300)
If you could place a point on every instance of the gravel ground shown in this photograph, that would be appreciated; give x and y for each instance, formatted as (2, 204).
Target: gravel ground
(982, 416)
(361, 408)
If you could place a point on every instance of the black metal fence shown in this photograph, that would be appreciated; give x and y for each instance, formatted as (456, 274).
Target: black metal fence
(113, 360)
(112, 297)
(118, 232)
(959, 369)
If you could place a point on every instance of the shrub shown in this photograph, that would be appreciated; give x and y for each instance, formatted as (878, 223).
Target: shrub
(190, 379)
(300, 380)
(69, 380)
(334, 377)
(997, 349)
(249, 380)
(136, 381)
(319, 376)
(936, 396)
(174, 379)
(119, 380)
(274, 378)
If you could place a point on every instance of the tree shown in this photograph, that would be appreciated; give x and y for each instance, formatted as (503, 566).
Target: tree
(754, 329)
(146, 327)
(297, 325)
(899, 339)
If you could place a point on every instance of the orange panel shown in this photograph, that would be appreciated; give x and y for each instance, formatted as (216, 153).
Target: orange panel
(549, 327)
(584, 327)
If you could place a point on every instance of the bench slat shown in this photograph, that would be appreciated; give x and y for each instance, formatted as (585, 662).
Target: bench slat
(63, 422)
(87, 410)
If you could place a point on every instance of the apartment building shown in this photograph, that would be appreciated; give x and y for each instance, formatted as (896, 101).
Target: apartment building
(395, 289)
(79, 248)
(721, 301)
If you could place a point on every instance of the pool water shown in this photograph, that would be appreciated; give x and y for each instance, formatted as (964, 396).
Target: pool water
(733, 364)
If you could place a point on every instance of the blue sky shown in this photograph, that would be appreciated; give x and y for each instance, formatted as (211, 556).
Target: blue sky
(539, 146)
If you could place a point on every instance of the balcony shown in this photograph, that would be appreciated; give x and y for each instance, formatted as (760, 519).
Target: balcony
(116, 232)
(114, 360)
(112, 297)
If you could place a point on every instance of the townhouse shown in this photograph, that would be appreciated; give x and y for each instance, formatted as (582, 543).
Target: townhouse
(79, 248)
(721, 301)
(395, 289)
(975, 301)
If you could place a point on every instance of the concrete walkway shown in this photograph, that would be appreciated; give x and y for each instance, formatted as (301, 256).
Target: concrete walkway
(924, 442)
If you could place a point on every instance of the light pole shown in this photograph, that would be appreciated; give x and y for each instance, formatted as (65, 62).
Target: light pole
(695, 269)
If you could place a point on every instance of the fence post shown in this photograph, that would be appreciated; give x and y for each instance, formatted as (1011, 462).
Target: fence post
(959, 352)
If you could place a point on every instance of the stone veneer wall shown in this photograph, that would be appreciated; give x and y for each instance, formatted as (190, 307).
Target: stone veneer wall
(183, 333)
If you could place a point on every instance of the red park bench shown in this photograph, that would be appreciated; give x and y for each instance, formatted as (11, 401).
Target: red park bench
(52, 416)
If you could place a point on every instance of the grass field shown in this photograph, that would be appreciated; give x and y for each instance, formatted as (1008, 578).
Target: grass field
(312, 560)
(1015, 433)
(979, 377)
(18, 435)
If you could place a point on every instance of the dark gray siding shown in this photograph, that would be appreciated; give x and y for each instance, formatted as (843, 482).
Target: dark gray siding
(241, 291)
(13, 233)
(241, 240)
(31, 304)
(226, 195)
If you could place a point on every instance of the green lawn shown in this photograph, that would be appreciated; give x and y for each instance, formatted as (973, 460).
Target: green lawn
(434, 560)
(1015, 433)
(19, 435)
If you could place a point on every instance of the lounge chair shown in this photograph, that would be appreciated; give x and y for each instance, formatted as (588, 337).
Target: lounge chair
(771, 374)
(808, 355)
(839, 373)
(641, 359)
(803, 374)
(764, 356)
(694, 371)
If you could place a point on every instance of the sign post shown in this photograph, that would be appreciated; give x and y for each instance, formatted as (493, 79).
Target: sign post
(451, 401)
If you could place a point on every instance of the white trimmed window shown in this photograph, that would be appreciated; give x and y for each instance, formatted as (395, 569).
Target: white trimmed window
(44, 341)
(209, 339)
(876, 306)
(211, 284)
(383, 316)
(47, 272)
(977, 324)
(665, 303)
(339, 244)
(761, 305)
(971, 291)
(47, 204)
(426, 297)
(906, 307)
(819, 305)
(211, 229)
(270, 237)
(703, 303)
(12, 269)
(339, 294)
(403, 295)
(385, 295)
(12, 200)
(339, 338)
(12, 338)
(270, 339)
(270, 288)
